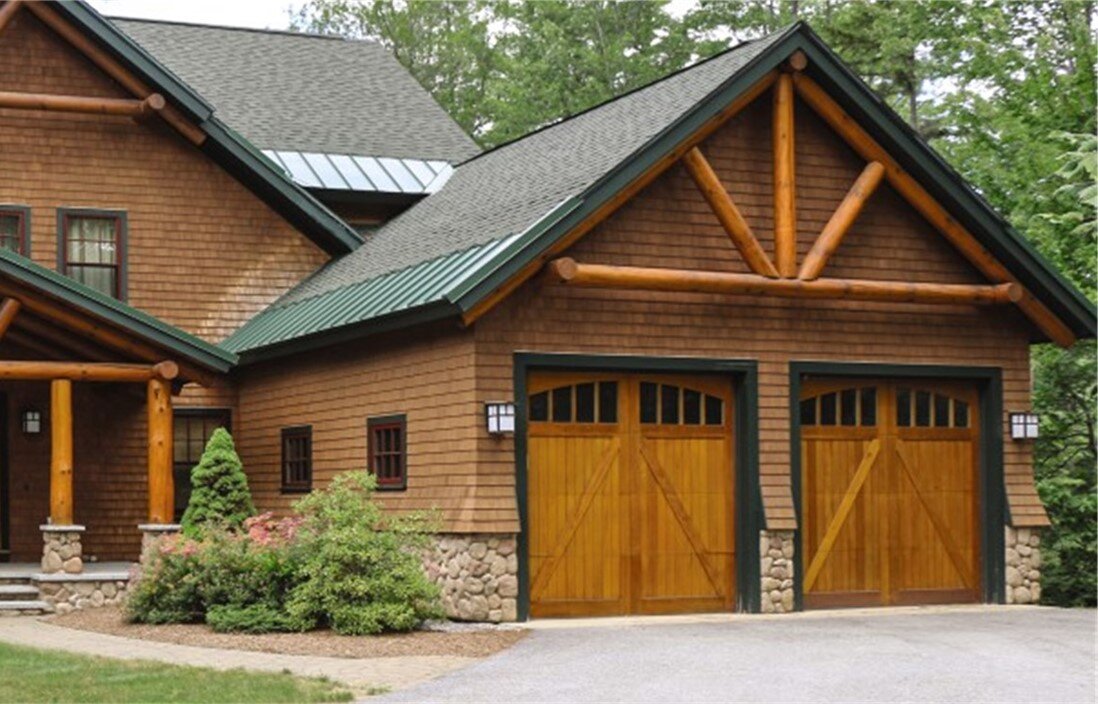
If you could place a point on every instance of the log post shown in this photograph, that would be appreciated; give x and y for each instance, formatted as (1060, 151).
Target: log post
(785, 204)
(161, 488)
(61, 452)
(8, 310)
(841, 220)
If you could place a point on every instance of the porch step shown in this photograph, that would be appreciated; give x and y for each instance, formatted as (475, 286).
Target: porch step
(18, 592)
(24, 608)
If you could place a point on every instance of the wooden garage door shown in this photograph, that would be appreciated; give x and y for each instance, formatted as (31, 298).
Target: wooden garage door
(629, 494)
(890, 493)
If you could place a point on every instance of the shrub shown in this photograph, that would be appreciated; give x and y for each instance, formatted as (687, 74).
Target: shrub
(256, 618)
(167, 588)
(235, 571)
(361, 571)
(219, 493)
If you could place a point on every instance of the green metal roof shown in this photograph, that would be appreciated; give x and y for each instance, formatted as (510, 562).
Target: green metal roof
(413, 288)
(143, 325)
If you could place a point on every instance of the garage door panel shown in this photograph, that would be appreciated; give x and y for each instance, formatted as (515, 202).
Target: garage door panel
(909, 532)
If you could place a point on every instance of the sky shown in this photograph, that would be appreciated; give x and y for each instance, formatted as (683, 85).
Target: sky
(261, 14)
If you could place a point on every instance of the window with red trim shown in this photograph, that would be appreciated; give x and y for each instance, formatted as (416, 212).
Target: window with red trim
(297, 459)
(91, 249)
(386, 449)
(13, 228)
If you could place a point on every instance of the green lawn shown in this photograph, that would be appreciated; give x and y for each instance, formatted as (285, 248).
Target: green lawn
(31, 675)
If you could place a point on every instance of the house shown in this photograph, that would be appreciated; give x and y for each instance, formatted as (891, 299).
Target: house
(737, 340)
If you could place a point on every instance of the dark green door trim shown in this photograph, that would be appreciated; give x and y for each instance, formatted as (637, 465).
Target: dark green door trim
(748, 508)
(993, 507)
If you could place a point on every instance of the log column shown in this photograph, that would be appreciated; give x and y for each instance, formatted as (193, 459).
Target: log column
(161, 485)
(62, 550)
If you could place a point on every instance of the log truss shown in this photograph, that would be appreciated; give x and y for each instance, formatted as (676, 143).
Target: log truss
(781, 276)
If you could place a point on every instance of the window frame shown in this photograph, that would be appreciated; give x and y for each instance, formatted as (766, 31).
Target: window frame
(289, 433)
(24, 213)
(375, 423)
(121, 225)
(217, 412)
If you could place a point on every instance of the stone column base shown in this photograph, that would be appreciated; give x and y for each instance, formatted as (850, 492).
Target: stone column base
(478, 575)
(776, 571)
(1023, 563)
(151, 533)
(61, 549)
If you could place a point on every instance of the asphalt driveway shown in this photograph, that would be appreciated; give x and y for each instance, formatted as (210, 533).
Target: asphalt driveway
(976, 654)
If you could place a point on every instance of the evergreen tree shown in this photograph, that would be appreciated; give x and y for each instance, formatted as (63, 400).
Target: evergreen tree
(219, 494)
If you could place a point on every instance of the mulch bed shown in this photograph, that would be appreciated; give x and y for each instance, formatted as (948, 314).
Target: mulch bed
(465, 643)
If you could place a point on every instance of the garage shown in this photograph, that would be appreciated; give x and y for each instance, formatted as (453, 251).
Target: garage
(890, 492)
(630, 494)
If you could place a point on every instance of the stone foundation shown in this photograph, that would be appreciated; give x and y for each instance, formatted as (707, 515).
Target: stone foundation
(1023, 566)
(151, 533)
(66, 595)
(62, 551)
(776, 570)
(478, 575)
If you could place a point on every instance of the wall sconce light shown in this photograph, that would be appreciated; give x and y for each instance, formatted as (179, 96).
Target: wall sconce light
(500, 416)
(31, 421)
(1024, 426)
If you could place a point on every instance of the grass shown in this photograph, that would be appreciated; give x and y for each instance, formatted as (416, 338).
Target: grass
(32, 675)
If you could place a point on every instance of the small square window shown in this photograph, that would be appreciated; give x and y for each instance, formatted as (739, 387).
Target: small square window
(297, 459)
(386, 451)
(14, 228)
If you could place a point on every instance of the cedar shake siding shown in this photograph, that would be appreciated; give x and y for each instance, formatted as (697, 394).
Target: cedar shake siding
(202, 252)
(670, 225)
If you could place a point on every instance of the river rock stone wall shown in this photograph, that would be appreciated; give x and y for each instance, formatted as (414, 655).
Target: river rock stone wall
(1023, 566)
(478, 576)
(776, 570)
(82, 594)
(62, 550)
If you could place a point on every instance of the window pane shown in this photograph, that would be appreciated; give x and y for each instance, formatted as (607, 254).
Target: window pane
(714, 410)
(11, 231)
(960, 414)
(869, 406)
(539, 406)
(648, 402)
(808, 411)
(562, 404)
(691, 407)
(585, 403)
(922, 408)
(941, 411)
(903, 408)
(669, 405)
(608, 402)
(828, 408)
(848, 402)
(99, 278)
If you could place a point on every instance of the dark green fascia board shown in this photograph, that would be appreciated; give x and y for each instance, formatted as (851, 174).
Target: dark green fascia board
(994, 509)
(116, 312)
(274, 186)
(428, 313)
(140, 61)
(946, 185)
(748, 491)
(573, 211)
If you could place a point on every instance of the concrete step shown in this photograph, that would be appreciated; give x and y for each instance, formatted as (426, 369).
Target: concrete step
(14, 581)
(18, 592)
(24, 608)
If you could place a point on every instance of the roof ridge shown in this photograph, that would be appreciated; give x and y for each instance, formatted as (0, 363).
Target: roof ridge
(254, 30)
(620, 96)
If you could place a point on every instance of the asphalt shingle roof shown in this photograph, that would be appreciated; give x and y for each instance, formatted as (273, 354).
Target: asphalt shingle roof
(305, 92)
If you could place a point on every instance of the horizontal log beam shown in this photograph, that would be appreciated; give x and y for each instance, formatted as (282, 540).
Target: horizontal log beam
(910, 189)
(844, 216)
(730, 217)
(124, 107)
(568, 271)
(87, 371)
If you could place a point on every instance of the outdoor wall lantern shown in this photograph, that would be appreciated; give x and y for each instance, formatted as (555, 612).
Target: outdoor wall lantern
(500, 416)
(31, 421)
(1024, 426)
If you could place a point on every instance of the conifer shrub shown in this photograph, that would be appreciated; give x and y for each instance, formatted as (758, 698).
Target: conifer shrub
(219, 489)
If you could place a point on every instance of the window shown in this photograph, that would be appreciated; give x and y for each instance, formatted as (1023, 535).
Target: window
(850, 407)
(931, 409)
(192, 430)
(386, 450)
(14, 226)
(297, 459)
(589, 402)
(667, 404)
(91, 249)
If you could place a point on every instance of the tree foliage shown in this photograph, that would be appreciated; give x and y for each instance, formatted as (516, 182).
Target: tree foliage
(219, 494)
(1004, 89)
